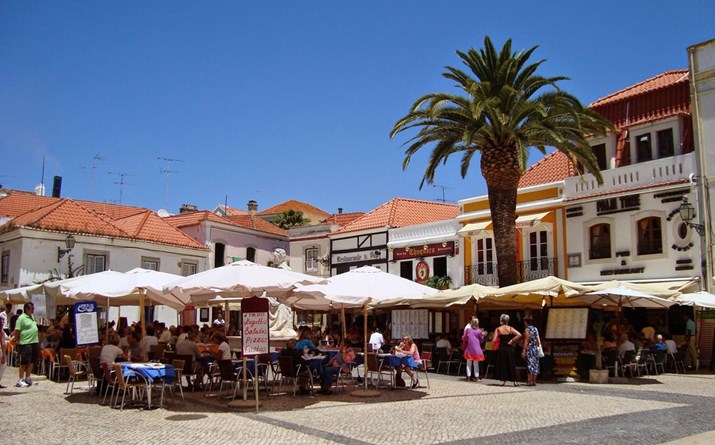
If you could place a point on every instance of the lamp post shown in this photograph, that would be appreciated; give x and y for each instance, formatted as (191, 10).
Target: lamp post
(687, 214)
(69, 244)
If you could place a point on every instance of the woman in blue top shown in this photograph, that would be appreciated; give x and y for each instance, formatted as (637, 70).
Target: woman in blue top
(304, 341)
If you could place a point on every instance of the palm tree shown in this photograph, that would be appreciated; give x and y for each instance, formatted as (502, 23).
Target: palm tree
(506, 108)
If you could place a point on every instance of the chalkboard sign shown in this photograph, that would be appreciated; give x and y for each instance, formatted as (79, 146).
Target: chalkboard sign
(567, 323)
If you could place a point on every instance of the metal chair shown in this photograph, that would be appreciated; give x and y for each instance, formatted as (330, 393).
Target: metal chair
(75, 370)
(178, 370)
(125, 386)
(426, 358)
(628, 362)
(376, 366)
(291, 372)
(452, 359)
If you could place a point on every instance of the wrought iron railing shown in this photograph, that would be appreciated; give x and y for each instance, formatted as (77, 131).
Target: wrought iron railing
(486, 274)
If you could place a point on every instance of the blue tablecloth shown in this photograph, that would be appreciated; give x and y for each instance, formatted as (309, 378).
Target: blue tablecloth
(150, 371)
(393, 360)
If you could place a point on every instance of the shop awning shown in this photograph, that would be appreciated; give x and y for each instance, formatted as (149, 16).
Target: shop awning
(473, 229)
(530, 220)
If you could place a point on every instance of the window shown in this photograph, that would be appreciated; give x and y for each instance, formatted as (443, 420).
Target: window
(600, 241)
(439, 264)
(251, 254)
(650, 237)
(150, 263)
(5, 268)
(485, 256)
(538, 250)
(219, 252)
(95, 263)
(187, 269)
(600, 152)
(311, 259)
(666, 148)
(406, 270)
(643, 148)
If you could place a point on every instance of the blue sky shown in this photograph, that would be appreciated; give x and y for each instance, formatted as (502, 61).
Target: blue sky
(279, 100)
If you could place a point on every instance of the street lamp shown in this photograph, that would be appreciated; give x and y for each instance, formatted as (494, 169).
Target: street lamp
(687, 214)
(69, 244)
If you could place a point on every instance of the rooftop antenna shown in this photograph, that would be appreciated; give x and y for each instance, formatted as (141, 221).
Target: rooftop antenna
(42, 179)
(93, 175)
(121, 183)
(443, 187)
(167, 171)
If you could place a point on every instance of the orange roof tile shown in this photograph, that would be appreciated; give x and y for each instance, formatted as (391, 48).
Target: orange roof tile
(194, 218)
(342, 219)
(255, 223)
(148, 226)
(663, 80)
(401, 212)
(553, 167)
(297, 206)
(16, 204)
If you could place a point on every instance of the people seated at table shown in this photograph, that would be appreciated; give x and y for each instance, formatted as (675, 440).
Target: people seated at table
(625, 345)
(376, 340)
(408, 346)
(291, 350)
(608, 342)
(670, 346)
(443, 342)
(111, 352)
(165, 335)
(134, 351)
(148, 341)
(223, 352)
(189, 346)
(304, 340)
(339, 363)
(659, 344)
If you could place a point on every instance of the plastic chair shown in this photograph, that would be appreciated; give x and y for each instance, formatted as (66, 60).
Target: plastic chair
(291, 372)
(178, 370)
(125, 385)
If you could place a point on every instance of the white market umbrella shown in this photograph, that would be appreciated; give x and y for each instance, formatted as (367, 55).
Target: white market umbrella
(364, 286)
(238, 279)
(21, 294)
(701, 299)
(623, 296)
(455, 297)
(534, 292)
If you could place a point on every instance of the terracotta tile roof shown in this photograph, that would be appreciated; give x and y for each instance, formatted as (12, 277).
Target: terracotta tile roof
(255, 223)
(195, 218)
(230, 211)
(342, 219)
(401, 212)
(66, 215)
(148, 226)
(663, 80)
(297, 206)
(553, 167)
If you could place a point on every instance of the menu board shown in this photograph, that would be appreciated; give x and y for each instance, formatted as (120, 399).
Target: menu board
(85, 322)
(412, 322)
(567, 323)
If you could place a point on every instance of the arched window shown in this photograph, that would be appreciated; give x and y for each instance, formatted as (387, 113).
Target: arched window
(650, 236)
(599, 241)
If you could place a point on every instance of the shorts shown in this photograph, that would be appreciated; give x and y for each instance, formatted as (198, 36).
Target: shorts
(28, 353)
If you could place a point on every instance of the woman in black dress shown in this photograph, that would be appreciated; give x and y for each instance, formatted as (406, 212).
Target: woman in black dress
(505, 363)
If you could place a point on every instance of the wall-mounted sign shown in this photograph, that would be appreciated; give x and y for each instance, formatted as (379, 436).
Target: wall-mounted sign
(358, 257)
(437, 249)
(422, 272)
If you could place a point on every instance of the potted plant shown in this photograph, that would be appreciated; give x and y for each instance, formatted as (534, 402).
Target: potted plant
(598, 375)
(439, 282)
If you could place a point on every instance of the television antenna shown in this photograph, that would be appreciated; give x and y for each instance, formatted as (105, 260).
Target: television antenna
(168, 171)
(93, 175)
(121, 183)
(443, 187)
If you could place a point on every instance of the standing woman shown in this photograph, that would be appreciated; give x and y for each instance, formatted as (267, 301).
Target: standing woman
(473, 336)
(506, 363)
(530, 352)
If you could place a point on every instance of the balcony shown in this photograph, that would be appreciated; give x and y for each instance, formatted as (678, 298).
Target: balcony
(622, 179)
(528, 270)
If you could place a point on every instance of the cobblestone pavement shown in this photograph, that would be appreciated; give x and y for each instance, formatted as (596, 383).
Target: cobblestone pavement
(649, 411)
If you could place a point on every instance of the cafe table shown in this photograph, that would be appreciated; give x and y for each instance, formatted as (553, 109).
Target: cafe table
(150, 373)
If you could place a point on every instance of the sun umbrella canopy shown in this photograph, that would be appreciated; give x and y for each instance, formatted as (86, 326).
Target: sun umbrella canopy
(454, 297)
(365, 285)
(20, 294)
(125, 288)
(238, 279)
(622, 296)
(700, 299)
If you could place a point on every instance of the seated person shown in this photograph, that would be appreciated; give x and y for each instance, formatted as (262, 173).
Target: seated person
(291, 351)
(408, 346)
(626, 345)
(304, 341)
(223, 352)
(188, 346)
(670, 346)
(443, 342)
(134, 350)
(111, 352)
(659, 344)
(608, 342)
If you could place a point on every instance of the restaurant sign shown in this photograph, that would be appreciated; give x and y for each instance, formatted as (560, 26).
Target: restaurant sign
(437, 249)
(85, 322)
(255, 333)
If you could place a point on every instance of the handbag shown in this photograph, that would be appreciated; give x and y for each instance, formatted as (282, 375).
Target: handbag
(540, 351)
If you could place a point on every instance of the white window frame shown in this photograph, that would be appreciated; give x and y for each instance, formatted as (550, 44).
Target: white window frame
(90, 258)
(151, 260)
(674, 123)
(185, 265)
(311, 261)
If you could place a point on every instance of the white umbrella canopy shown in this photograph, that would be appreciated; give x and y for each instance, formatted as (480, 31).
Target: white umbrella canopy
(701, 299)
(622, 296)
(454, 297)
(238, 279)
(127, 288)
(59, 290)
(20, 294)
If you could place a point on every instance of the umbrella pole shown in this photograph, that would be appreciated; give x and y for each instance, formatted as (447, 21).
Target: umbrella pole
(364, 322)
(141, 314)
(342, 321)
(106, 323)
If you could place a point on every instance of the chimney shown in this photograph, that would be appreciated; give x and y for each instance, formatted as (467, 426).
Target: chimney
(57, 187)
(252, 207)
(188, 208)
(340, 210)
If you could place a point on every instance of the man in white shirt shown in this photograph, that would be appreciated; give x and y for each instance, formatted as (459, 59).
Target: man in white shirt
(6, 315)
(626, 345)
(147, 342)
(376, 340)
(443, 342)
(670, 346)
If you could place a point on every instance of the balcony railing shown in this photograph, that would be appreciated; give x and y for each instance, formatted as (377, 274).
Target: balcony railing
(528, 270)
